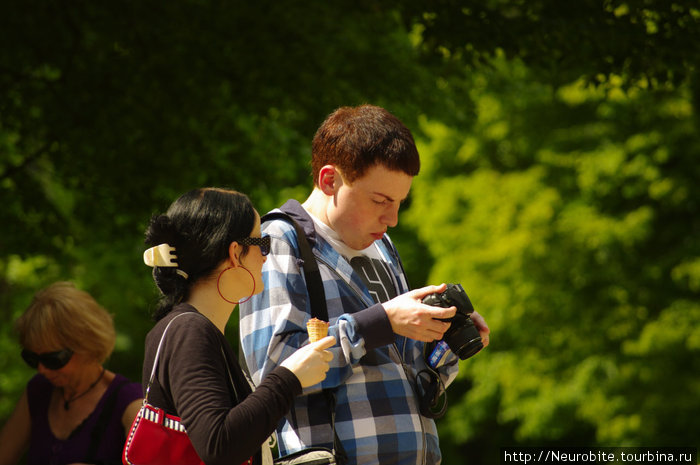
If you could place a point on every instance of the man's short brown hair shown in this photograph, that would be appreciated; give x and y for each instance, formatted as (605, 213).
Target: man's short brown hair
(355, 139)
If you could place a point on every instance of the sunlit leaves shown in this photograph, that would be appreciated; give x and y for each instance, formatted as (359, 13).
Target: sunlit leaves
(561, 213)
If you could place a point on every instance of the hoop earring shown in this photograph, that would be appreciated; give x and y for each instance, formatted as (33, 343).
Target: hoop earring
(233, 301)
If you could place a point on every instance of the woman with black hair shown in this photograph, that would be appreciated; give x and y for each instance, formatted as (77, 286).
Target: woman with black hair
(207, 256)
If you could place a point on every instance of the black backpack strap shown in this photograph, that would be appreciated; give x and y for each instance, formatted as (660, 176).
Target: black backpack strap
(319, 309)
(103, 419)
(338, 449)
(314, 283)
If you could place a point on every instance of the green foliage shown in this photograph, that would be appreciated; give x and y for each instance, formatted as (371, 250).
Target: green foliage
(657, 41)
(579, 245)
(559, 145)
(109, 111)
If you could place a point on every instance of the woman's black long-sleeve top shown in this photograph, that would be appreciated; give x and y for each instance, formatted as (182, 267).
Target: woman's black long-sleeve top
(192, 382)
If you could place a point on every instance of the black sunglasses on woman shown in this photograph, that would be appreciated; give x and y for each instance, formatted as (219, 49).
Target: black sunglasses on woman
(51, 360)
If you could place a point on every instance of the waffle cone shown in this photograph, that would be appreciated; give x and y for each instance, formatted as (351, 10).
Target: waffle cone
(317, 329)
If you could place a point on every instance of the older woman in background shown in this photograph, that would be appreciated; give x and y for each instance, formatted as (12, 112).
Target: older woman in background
(73, 410)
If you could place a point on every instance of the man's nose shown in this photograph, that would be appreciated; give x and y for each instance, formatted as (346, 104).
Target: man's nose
(391, 216)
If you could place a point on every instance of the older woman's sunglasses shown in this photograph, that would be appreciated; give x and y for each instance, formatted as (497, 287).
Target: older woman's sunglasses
(262, 242)
(51, 360)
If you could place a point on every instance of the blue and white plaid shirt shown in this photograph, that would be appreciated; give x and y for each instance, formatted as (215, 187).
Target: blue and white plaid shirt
(373, 370)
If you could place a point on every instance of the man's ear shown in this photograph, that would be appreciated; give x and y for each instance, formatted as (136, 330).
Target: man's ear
(329, 180)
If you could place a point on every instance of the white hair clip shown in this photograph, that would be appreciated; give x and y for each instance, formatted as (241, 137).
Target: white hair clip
(162, 255)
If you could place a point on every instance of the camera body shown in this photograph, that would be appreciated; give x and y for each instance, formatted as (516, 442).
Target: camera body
(462, 337)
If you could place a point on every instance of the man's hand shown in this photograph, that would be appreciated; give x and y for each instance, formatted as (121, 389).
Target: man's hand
(481, 325)
(411, 318)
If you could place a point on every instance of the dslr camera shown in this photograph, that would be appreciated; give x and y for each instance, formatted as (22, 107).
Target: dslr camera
(462, 337)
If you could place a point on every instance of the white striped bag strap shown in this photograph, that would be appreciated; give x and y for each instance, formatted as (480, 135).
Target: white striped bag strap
(155, 361)
(151, 412)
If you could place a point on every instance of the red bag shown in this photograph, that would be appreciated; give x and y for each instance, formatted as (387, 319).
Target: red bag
(157, 438)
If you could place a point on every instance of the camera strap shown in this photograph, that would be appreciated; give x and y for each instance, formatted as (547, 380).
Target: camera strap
(432, 394)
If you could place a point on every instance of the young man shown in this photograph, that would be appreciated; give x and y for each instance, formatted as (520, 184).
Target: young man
(363, 163)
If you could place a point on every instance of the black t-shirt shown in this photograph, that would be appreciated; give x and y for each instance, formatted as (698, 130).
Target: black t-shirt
(375, 276)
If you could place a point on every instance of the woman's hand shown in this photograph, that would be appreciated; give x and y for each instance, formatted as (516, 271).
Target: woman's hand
(310, 363)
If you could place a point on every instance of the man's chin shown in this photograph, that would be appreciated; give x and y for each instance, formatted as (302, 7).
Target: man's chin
(364, 242)
(364, 245)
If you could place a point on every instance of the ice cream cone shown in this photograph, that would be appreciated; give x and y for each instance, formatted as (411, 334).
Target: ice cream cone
(318, 329)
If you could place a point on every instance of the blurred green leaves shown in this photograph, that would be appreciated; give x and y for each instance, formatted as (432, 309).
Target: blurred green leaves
(559, 146)
(579, 246)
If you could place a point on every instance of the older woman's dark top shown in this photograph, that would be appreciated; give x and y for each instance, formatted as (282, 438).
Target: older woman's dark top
(227, 423)
(99, 439)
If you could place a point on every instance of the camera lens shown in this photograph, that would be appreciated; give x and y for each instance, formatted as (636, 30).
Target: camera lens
(465, 340)
(462, 337)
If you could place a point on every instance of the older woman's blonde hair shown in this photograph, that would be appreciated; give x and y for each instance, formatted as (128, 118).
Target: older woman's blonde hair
(64, 317)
